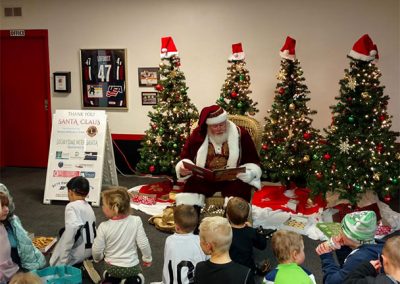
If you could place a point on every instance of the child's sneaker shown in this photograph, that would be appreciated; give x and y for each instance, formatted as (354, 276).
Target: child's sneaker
(93, 274)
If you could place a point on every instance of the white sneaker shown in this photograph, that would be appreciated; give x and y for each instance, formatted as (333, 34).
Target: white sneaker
(93, 274)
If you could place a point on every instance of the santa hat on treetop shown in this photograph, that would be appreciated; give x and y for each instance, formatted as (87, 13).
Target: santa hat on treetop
(237, 52)
(377, 53)
(212, 115)
(364, 49)
(168, 48)
(288, 49)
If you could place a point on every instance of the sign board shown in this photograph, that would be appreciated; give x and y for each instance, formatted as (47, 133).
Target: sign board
(80, 145)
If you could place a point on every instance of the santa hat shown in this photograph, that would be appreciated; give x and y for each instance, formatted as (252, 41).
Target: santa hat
(377, 53)
(364, 49)
(360, 226)
(212, 115)
(237, 52)
(168, 48)
(288, 49)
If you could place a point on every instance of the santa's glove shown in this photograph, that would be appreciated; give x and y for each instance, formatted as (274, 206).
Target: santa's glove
(246, 177)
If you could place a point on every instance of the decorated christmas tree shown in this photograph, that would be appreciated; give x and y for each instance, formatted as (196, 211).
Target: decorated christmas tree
(170, 119)
(235, 92)
(288, 138)
(359, 154)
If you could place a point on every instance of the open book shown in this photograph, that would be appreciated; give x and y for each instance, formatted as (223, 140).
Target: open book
(215, 175)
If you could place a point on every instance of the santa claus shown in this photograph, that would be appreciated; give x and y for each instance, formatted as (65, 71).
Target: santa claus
(218, 143)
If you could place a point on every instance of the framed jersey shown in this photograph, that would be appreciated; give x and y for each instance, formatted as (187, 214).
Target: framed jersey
(103, 73)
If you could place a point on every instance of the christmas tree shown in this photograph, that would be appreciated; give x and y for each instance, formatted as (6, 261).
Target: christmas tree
(171, 118)
(235, 92)
(288, 139)
(359, 154)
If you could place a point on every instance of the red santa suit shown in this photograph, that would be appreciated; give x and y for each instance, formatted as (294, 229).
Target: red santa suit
(239, 150)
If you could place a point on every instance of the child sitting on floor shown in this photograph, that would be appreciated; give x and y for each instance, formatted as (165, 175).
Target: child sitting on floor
(368, 272)
(118, 238)
(215, 240)
(182, 250)
(75, 244)
(288, 247)
(17, 251)
(244, 237)
(358, 232)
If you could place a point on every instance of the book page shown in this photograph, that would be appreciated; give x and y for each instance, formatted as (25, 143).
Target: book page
(216, 175)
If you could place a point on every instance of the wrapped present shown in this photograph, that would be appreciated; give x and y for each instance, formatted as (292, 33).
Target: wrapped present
(160, 189)
(142, 198)
(382, 230)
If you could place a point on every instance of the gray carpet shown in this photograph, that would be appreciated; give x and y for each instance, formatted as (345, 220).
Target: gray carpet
(27, 188)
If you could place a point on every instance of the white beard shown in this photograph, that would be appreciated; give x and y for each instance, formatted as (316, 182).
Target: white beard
(219, 139)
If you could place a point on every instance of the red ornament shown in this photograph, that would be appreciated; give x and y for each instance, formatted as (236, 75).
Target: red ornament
(327, 156)
(382, 117)
(323, 141)
(178, 63)
(281, 91)
(379, 148)
(264, 147)
(307, 135)
(319, 175)
(152, 168)
(159, 87)
(349, 99)
(387, 198)
(234, 94)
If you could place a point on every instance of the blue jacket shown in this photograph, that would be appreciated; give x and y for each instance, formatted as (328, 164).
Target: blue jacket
(333, 274)
(31, 258)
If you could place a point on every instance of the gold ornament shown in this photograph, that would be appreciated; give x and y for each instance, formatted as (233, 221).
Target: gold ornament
(376, 176)
(273, 121)
(398, 155)
(281, 75)
(365, 96)
(306, 158)
(148, 142)
(175, 110)
(292, 106)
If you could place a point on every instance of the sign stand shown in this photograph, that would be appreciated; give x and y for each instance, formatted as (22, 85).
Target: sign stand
(80, 145)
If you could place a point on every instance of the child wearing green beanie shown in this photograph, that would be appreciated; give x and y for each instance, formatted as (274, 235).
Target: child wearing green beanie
(358, 232)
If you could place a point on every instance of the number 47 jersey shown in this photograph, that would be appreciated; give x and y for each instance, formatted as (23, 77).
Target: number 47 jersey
(181, 254)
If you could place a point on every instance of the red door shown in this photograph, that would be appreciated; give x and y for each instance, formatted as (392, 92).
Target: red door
(24, 98)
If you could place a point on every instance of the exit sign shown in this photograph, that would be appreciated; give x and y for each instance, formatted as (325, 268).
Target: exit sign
(17, 32)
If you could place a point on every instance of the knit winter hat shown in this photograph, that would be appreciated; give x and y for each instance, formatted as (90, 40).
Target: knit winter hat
(168, 47)
(288, 49)
(364, 49)
(237, 52)
(360, 226)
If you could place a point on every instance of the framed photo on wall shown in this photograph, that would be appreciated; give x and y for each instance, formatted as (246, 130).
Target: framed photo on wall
(148, 76)
(103, 73)
(149, 98)
(62, 82)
